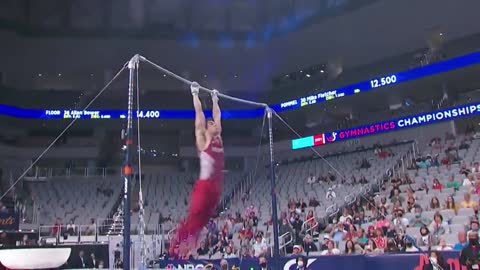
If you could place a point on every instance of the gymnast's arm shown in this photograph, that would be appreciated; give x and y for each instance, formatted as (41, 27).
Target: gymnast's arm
(199, 123)
(216, 113)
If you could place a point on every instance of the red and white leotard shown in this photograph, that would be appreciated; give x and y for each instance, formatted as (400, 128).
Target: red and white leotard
(212, 161)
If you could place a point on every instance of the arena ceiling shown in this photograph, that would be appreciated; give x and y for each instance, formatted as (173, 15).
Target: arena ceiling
(39, 37)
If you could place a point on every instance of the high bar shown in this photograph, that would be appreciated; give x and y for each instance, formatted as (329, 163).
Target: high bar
(184, 80)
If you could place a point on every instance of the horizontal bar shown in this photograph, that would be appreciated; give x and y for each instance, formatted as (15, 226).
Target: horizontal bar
(184, 80)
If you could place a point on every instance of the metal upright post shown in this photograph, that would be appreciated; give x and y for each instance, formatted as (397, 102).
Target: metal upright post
(276, 246)
(127, 166)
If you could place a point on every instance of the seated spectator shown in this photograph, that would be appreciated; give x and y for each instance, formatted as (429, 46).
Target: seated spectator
(330, 194)
(467, 203)
(218, 248)
(297, 225)
(400, 221)
(339, 233)
(396, 196)
(391, 246)
(371, 248)
(297, 250)
(418, 220)
(203, 249)
(350, 248)
(436, 258)
(434, 204)
(326, 238)
(309, 245)
(249, 210)
(345, 215)
(425, 239)
(380, 239)
(361, 239)
(409, 245)
(381, 223)
(475, 168)
(438, 226)
(450, 204)
(442, 246)
(473, 226)
(262, 262)
(411, 204)
(384, 211)
(331, 250)
(229, 253)
(313, 202)
(462, 241)
(310, 220)
(476, 187)
(437, 185)
(464, 170)
(383, 202)
(452, 183)
(246, 234)
(468, 182)
(71, 228)
(56, 227)
(245, 252)
(392, 231)
(300, 205)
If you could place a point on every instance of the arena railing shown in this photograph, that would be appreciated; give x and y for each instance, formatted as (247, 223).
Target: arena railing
(90, 233)
(307, 231)
(285, 240)
(103, 172)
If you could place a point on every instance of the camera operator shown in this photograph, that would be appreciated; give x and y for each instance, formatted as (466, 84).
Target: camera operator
(470, 253)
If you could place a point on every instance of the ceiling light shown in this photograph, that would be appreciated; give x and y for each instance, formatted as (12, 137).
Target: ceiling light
(308, 75)
(205, 76)
(59, 74)
(40, 75)
(236, 76)
(91, 75)
(301, 71)
(322, 71)
(164, 75)
(441, 34)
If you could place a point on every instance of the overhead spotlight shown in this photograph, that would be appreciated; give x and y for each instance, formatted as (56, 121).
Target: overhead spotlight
(308, 75)
(301, 71)
(287, 75)
(40, 75)
(59, 74)
(205, 76)
(441, 34)
(322, 71)
(164, 75)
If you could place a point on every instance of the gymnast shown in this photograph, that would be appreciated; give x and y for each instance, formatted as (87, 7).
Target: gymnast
(207, 190)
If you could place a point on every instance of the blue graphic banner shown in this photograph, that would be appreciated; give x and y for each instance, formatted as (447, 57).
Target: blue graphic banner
(427, 118)
(326, 95)
(403, 261)
(9, 222)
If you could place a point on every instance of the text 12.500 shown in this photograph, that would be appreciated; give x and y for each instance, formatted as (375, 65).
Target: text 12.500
(383, 81)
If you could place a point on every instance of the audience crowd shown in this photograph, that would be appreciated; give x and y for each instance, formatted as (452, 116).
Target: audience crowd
(402, 215)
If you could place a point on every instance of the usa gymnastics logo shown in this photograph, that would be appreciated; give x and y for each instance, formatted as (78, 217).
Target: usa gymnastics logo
(332, 137)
